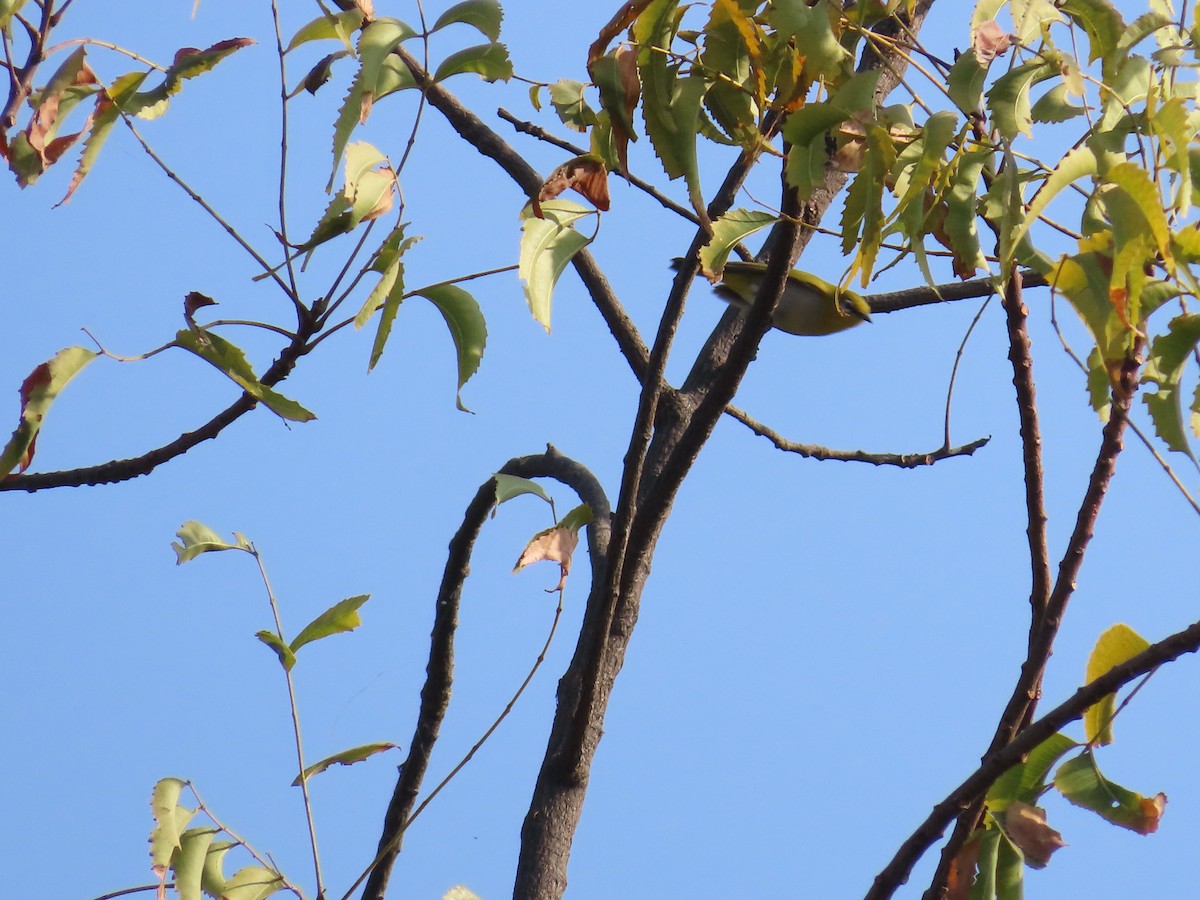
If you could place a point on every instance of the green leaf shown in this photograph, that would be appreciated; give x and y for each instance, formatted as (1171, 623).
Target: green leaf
(805, 130)
(189, 63)
(170, 820)
(811, 27)
(961, 211)
(1025, 781)
(489, 61)
(375, 43)
(731, 65)
(338, 619)
(1078, 163)
(287, 658)
(1169, 354)
(577, 518)
(38, 391)
(727, 231)
(345, 758)
(862, 217)
(109, 105)
(467, 327)
(566, 95)
(509, 486)
(188, 863)
(547, 245)
(213, 877)
(1117, 645)
(1103, 25)
(1008, 99)
(8, 9)
(1055, 106)
(1082, 783)
(336, 26)
(484, 15)
(252, 883)
(218, 352)
(196, 538)
(989, 848)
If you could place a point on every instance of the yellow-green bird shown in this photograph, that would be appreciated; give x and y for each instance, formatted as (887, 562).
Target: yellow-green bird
(809, 305)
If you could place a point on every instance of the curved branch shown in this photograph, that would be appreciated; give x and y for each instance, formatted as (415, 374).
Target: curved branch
(815, 451)
(435, 694)
(995, 764)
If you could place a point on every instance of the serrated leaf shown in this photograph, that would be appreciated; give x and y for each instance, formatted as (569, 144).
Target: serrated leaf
(109, 105)
(287, 658)
(375, 43)
(38, 391)
(218, 352)
(1008, 99)
(547, 245)
(467, 327)
(212, 879)
(170, 820)
(336, 26)
(805, 130)
(1079, 162)
(189, 63)
(566, 96)
(252, 883)
(1103, 25)
(1168, 356)
(489, 61)
(577, 518)
(188, 862)
(345, 758)
(484, 15)
(1082, 783)
(811, 27)
(338, 619)
(1117, 645)
(1055, 106)
(509, 486)
(196, 538)
(962, 211)
(727, 231)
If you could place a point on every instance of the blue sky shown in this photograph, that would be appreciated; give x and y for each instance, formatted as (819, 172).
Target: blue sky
(823, 648)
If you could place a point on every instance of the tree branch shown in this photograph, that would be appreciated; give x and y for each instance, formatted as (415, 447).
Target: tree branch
(435, 694)
(998, 762)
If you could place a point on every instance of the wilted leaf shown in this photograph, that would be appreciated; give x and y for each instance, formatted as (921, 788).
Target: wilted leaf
(196, 538)
(585, 174)
(38, 392)
(1026, 827)
(616, 77)
(287, 658)
(345, 758)
(554, 544)
(989, 40)
(1081, 782)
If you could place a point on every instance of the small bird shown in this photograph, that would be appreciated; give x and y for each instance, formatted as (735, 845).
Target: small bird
(809, 305)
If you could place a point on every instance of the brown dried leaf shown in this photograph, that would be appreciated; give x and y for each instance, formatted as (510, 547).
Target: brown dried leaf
(621, 19)
(962, 870)
(1152, 809)
(989, 40)
(585, 174)
(1026, 827)
(554, 544)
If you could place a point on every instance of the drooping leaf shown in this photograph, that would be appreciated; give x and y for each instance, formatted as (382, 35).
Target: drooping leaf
(811, 27)
(1026, 780)
(196, 538)
(1118, 644)
(222, 355)
(805, 130)
(584, 174)
(962, 201)
(616, 77)
(965, 82)
(467, 327)
(1082, 783)
(170, 819)
(489, 61)
(338, 619)
(509, 486)
(1169, 354)
(1079, 162)
(252, 883)
(547, 245)
(109, 105)
(1103, 25)
(1025, 825)
(567, 98)
(287, 658)
(1008, 99)
(38, 392)
(188, 863)
(484, 15)
(345, 758)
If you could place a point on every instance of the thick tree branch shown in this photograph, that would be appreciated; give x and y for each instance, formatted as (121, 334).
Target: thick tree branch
(435, 694)
(995, 764)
